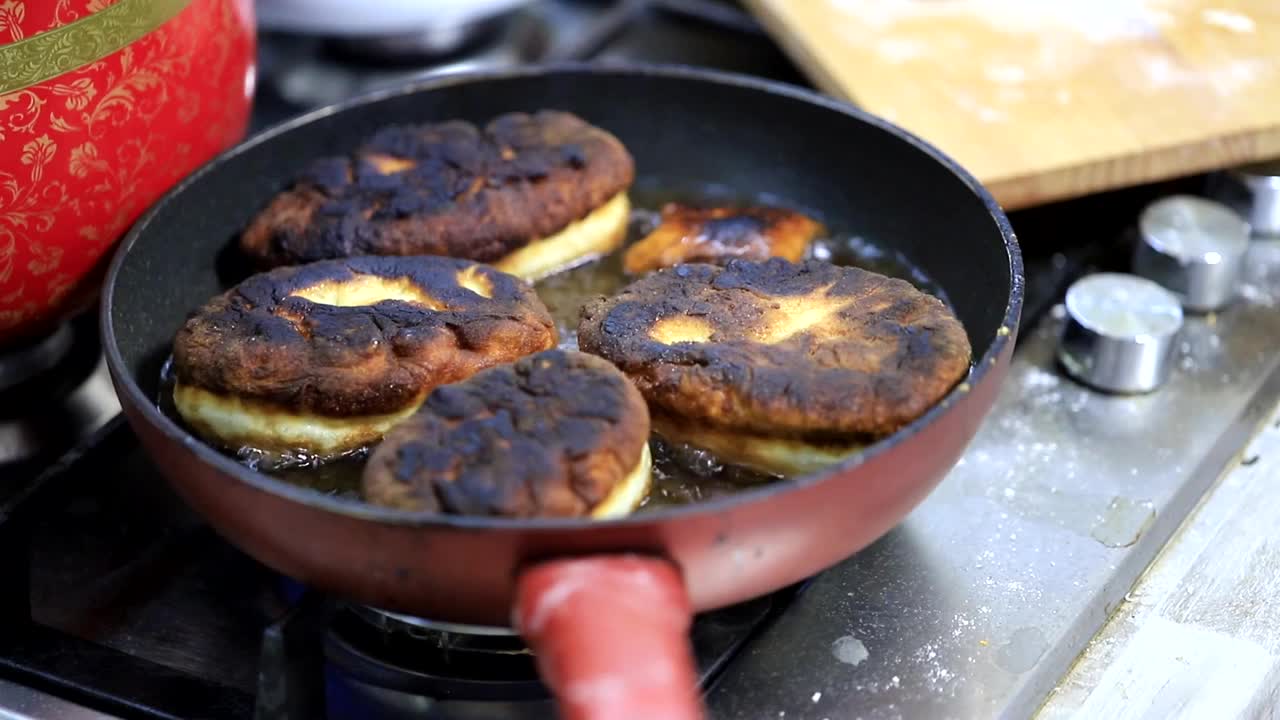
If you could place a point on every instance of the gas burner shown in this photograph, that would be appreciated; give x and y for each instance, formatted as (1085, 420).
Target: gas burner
(423, 628)
(401, 655)
(385, 664)
(427, 46)
(322, 72)
(29, 360)
(53, 392)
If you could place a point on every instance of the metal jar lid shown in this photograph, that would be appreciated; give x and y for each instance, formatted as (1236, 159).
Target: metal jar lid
(1119, 332)
(1262, 183)
(1194, 247)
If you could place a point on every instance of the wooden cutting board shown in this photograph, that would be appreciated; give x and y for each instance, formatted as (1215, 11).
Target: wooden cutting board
(1051, 99)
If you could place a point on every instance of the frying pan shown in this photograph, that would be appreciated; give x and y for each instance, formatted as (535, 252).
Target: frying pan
(604, 605)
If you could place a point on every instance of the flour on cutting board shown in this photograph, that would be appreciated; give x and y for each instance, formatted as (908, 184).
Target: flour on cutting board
(1132, 91)
(1098, 20)
(1228, 20)
(1046, 40)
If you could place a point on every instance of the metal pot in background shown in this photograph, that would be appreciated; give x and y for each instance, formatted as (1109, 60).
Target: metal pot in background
(429, 21)
(102, 109)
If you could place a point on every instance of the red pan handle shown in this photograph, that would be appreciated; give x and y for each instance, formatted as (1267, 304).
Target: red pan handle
(610, 634)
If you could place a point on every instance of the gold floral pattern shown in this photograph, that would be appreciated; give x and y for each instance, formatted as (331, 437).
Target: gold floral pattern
(28, 210)
(63, 12)
(37, 58)
(37, 154)
(78, 93)
(26, 111)
(82, 154)
(12, 13)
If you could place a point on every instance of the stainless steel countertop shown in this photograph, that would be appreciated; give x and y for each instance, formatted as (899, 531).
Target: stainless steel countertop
(22, 703)
(977, 605)
(1199, 635)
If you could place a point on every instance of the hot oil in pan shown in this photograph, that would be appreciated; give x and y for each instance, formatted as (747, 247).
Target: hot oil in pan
(339, 477)
(681, 474)
(566, 292)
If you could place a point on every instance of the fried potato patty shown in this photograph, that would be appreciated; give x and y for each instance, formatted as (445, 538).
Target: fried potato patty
(719, 234)
(557, 434)
(453, 189)
(325, 357)
(828, 355)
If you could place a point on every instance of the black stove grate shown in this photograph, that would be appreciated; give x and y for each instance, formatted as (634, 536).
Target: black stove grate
(120, 599)
(62, 663)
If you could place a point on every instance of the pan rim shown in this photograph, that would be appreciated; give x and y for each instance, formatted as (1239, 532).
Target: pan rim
(126, 384)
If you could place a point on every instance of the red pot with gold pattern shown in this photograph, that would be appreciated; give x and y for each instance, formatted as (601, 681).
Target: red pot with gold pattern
(104, 105)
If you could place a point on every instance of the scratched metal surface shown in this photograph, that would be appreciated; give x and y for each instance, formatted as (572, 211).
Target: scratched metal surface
(979, 602)
(23, 703)
(1199, 635)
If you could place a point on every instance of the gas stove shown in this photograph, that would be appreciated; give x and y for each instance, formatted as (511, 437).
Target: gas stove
(127, 603)
(121, 603)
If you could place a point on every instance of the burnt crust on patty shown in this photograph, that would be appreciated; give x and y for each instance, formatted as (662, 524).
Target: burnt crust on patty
(719, 234)
(445, 189)
(549, 435)
(443, 319)
(810, 351)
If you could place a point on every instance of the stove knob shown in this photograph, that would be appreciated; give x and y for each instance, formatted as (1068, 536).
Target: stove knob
(1119, 332)
(1261, 182)
(1194, 247)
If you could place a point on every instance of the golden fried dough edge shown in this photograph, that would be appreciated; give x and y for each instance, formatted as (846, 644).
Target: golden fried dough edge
(261, 341)
(481, 204)
(575, 428)
(797, 389)
(717, 234)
